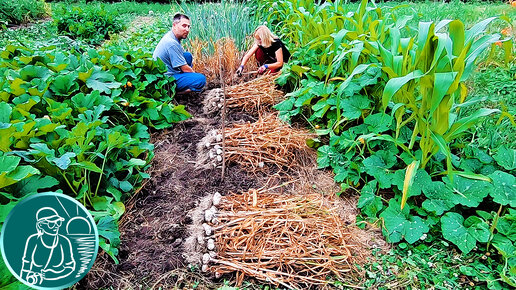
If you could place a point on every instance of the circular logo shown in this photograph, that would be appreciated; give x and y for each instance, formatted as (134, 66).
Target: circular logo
(49, 241)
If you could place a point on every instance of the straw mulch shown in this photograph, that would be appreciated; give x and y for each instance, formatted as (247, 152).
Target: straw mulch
(268, 141)
(224, 60)
(290, 240)
(252, 95)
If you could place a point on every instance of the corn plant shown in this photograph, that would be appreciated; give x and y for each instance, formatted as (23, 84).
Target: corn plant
(426, 82)
(388, 98)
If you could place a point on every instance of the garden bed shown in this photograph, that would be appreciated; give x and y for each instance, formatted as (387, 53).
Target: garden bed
(154, 231)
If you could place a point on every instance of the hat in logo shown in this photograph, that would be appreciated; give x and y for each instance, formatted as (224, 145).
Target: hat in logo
(48, 214)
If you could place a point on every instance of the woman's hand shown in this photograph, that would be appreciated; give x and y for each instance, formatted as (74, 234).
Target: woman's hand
(262, 69)
(239, 70)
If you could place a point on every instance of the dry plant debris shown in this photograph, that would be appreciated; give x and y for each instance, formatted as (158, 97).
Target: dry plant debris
(289, 240)
(226, 57)
(251, 96)
(268, 141)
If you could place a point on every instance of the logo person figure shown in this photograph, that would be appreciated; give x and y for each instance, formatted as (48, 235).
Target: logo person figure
(48, 255)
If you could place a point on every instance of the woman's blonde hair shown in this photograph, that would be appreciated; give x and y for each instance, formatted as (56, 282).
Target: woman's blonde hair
(265, 35)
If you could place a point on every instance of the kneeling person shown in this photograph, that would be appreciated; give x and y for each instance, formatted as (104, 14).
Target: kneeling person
(179, 62)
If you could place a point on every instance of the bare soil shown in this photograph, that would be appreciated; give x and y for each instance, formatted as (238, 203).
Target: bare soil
(154, 228)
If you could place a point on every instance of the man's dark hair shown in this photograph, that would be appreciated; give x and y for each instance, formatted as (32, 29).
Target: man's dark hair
(179, 16)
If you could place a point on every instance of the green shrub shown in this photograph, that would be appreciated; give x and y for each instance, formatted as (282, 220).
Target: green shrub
(14, 12)
(93, 24)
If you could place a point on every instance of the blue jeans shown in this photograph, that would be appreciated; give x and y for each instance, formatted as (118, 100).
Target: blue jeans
(189, 81)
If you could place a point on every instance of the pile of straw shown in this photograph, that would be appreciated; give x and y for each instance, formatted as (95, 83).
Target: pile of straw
(252, 95)
(224, 60)
(266, 141)
(294, 241)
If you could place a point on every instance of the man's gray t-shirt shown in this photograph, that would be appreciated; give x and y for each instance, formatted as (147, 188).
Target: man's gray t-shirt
(170, 51)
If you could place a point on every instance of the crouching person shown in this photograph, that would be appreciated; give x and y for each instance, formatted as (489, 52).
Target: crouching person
(179, 62)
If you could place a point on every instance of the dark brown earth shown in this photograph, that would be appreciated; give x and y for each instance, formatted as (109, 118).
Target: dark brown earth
(154, 227)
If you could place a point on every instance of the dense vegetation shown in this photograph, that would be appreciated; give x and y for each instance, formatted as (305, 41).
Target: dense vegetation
(21, 11)
(393, 102)
(414, 112)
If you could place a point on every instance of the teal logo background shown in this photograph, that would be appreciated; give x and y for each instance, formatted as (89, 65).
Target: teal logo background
(53, 237)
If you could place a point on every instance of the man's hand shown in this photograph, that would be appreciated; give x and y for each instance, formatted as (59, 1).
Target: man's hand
(239, 70)
(262, 69)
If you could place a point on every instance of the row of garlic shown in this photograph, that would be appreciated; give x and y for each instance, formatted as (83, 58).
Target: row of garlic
(210, 217)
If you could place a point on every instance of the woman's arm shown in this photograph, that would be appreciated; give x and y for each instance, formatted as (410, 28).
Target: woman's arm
(279, 57)
(249, 54)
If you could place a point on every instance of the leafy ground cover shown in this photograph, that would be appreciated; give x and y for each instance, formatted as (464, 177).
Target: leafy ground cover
(389, 98)
(21, 11)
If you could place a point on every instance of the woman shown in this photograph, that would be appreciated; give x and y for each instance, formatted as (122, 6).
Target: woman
(269, 51)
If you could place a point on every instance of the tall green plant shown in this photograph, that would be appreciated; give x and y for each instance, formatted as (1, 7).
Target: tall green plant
(426, 83)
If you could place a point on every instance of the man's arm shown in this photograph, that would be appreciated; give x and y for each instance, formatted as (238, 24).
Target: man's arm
(186, 68)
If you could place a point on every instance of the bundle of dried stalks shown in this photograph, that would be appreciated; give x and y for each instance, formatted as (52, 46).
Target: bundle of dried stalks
(226, 57)
(267, 141)
(254, 94)
(291, 240)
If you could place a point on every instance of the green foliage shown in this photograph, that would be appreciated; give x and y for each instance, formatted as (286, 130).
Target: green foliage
(14, 12)
(80, 123)
(93, 24)
(213, 21)
(432, 264)
(392, 102)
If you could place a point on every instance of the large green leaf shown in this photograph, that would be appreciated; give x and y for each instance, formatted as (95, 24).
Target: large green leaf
(379, 122)
(9, 163)
(468, 192)
(506, 157)
(395, 84)
(467, 123)
(110, 236)
(440, 198)
(504, 191)
(504, 246)
(478, 228)
(507, 226)
(20, 173)
(64, 84)
(90, 101)
(353, 106)
(453, 229)
(102, 81)
(33, 184)
(369, 203)
(5, 114)
(401, 224)
(376, 166)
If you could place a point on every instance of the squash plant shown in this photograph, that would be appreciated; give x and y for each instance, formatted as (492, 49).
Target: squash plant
(79, 124)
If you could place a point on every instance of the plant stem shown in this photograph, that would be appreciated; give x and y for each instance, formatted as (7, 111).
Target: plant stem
(69, 184)
(493, 226)
(102, 170)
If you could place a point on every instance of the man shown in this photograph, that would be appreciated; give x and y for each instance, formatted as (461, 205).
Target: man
(179, 62)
